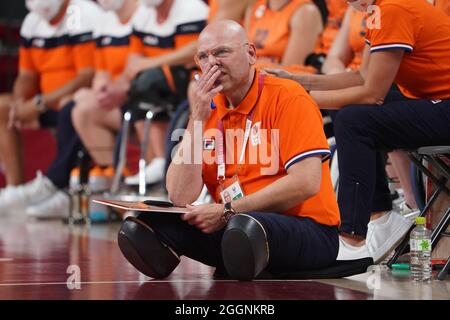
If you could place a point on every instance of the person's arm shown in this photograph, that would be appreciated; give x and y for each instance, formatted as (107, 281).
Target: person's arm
(83, 79)
(381, 72)
(101, 79)
(136, 63)
(184, 177)
(340, 54)
(305, 28)
(230, 10)
(301, 182)
(26, 85)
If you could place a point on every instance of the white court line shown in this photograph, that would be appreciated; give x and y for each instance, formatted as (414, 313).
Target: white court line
(137, 281)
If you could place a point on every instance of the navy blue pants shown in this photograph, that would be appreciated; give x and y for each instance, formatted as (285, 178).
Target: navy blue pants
(294, 243)
(68, 144)
(362, 132)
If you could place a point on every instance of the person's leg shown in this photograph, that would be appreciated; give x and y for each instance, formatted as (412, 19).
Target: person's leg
(69, 144)
(297, 243)
(96, 127)
(186, 239)
(10, 145)
(401, 164)
(361, 130)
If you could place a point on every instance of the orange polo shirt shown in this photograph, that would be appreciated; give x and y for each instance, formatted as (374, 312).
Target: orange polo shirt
(423, 32)
(286, 128)
(444, 5)
(57, 52)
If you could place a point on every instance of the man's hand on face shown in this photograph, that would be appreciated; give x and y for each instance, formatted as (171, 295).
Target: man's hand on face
(206, 217)
(112, 95)
(23, 113)
(203, 91)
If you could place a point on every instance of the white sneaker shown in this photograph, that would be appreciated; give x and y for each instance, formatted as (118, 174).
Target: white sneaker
(385, 233)
(57, 206)
(19, 197)
(154, 172)
(349, 252)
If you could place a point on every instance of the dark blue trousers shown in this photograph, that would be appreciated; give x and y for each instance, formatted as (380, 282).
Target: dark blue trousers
(294, 243)
(362, 131)
(68, 145)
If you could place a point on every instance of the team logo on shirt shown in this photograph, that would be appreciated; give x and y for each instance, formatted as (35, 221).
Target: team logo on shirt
(106, 41)
(209, 144)
(39, 43)
(256, 134)
(150, 40)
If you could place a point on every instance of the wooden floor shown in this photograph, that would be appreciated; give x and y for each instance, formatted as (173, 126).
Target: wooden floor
(49, 260)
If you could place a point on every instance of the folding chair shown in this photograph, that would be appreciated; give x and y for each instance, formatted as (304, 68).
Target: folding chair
(434, 155)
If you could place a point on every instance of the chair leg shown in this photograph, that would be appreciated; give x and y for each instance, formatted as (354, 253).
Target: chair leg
(443, 273)
(122, 153)
(142, 160)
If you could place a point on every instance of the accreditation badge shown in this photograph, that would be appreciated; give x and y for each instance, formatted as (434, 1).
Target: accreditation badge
(231, 190)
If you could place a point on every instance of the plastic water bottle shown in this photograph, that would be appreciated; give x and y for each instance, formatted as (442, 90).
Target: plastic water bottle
(420, 254)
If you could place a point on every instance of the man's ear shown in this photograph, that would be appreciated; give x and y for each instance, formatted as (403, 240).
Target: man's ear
(251, 51)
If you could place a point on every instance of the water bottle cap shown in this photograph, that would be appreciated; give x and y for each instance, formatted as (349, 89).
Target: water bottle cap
(420, 220)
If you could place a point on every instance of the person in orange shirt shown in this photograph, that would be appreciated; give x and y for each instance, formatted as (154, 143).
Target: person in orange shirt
(283, 215)
(56, 58)
(348, 45)
(164, 33)
(285, 32)
(408, 43)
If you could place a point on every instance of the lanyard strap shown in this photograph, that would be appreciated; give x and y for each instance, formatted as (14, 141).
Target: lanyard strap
(220, 142)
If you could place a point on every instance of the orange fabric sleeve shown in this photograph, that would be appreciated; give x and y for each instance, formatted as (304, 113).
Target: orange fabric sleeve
(300, 129)
(25, 61)
(136, 45)
(398, 28)
(84, 55)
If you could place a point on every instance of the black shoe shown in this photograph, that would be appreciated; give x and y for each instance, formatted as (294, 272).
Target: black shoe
(141, 247)
(245, 250)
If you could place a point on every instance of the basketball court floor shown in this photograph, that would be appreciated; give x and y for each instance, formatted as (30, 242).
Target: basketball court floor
(50, 260)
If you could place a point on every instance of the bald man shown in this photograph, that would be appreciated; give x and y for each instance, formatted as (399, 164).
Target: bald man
(275, 213)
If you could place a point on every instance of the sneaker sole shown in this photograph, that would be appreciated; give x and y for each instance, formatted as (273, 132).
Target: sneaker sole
(387, 248)
(143, 246)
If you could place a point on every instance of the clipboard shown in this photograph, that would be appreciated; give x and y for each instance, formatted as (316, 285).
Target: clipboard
(166, 206)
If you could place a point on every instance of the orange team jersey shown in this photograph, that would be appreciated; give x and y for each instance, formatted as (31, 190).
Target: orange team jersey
(356, 36)
(57, 52)
(112, 39)
(286, 128)
(336, 12)
(423, 32)
(444, 5)
(269, 30)
(186, 20)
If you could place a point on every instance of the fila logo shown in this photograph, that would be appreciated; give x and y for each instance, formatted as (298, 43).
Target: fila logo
(151, 40)
(106, 41)
(40, 43)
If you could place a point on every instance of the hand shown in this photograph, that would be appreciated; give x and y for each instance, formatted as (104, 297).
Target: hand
(22, 113)
(280, 73)
(206, 217)
(112, 96)
(136, 64)
(202, 92)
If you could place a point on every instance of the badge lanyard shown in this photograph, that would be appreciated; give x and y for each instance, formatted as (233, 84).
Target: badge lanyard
(220, 138)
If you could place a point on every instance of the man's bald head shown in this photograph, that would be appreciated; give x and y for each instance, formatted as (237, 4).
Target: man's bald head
(223, 31)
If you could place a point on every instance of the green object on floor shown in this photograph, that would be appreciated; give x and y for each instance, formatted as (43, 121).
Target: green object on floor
(400, 266)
